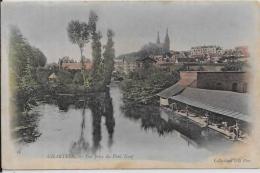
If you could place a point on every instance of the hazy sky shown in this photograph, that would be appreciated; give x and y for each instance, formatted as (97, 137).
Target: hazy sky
(134, 24)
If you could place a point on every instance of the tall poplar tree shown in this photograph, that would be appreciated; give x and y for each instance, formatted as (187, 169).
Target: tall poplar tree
(96, 48)
(109, 55)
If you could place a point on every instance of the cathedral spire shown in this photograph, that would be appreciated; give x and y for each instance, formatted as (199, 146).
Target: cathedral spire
(158, 38)
(167, 41)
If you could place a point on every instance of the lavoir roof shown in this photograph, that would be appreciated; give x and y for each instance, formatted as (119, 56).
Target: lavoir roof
(226, 103)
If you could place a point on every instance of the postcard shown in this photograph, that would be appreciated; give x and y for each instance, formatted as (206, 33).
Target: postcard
(130, 84)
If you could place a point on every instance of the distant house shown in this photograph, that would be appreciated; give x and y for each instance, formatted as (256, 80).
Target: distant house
(125, 65)
(66, 63)
(76, 66)
(52, 78)
(145, 62)
(206, 50)
(182, 60)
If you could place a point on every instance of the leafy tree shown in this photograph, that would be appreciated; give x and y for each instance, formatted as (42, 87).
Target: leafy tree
(97, 57)
(19, 50)
(78, 33)
(40, 59)
(109, 55)
(96, 48)
(42, 75)
(78, 78)
(24, 59)
(233, 66)
(64, 77)
(27, 88)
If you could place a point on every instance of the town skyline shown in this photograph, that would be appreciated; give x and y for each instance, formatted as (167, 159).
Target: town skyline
(47, 31)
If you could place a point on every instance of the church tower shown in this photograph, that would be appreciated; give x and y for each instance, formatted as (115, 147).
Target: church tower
(158, 38)
(167, 41)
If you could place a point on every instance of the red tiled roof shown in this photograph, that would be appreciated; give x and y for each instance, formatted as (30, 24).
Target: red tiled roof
(76, 66)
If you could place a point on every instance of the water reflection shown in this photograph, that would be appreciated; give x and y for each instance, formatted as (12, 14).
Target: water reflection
(102, 124)
(81, 146)
(151, 119)
(27, 127)
(100, 105)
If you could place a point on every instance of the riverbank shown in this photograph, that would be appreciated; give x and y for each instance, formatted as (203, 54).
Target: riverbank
(141, 87)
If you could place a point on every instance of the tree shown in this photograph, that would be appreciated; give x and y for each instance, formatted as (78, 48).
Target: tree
(40, 59)
(96, 48)
(97, 57)
(27, 88)
(233, 66)
(78, 33)
(22, 59)
(109, 55)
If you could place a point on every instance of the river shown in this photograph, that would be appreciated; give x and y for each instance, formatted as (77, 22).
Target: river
(103, 129)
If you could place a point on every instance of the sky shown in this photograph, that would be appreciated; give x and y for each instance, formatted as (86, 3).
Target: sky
(44, 24)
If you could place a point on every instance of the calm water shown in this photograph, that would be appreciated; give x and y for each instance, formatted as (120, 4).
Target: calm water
(107, 127)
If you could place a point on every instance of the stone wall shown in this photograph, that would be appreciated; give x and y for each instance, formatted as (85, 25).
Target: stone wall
(228, 81)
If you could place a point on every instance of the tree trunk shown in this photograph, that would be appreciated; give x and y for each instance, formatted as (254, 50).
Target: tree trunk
(82, 65)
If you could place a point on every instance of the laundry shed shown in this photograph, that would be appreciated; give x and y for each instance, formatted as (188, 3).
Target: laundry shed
(169, 92)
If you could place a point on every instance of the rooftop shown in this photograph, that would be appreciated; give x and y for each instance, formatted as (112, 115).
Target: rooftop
(226, 103)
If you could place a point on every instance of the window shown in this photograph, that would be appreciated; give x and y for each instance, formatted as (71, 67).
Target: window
(234, 87)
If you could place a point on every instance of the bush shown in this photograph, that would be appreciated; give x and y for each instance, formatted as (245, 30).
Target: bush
(65, 77)
(78, 78)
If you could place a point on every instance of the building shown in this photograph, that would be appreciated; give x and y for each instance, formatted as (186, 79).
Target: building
(228, 81)
(205, 51)
(223, 111)
(224, 81)
(67, 63)
(52, 78)
(76, 66)
(145, 62)
(125, 65)
(165, 46)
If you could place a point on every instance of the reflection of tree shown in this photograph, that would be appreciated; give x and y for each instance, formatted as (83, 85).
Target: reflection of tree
(101, 105)
(151, 119)
(110, 120)
(64, 102)
(26, 127)
(81, 145)
(96, 107)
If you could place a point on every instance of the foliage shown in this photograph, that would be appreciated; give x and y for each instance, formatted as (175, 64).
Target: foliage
(64, 77)
(78, 33)
(109, 55)
(233, 66)
(24, 60)
(40, 59)
(42, 75)
(97, 57)
(78, 78)
(142, 90)
(97, 71)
